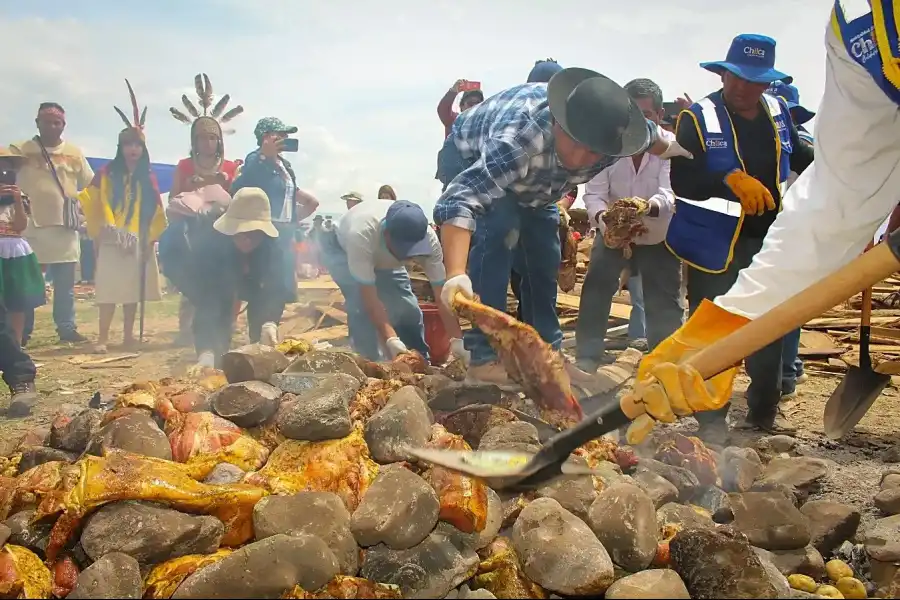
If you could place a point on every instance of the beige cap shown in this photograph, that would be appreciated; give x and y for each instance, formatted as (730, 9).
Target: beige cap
(249, 211)
(356, 196)
(11, 152)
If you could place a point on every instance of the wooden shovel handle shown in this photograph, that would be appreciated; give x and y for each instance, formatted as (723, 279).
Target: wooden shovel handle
(858, 275)
(865, 318)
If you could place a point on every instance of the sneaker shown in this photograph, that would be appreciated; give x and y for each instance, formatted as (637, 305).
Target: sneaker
(24, 397)
(588, 365)
(802, 378)
(639, 344)
(714, 432)
(491, 373)
(72, 336)
(773, 423)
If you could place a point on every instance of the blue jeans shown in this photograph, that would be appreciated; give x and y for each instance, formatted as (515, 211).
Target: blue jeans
(88, 264)
(791, 365)
(63, 277)
(508, 236)
(394, 291)
(637, 322)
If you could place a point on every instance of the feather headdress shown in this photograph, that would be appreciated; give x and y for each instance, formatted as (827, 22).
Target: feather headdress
(134, 126)
(207, 109)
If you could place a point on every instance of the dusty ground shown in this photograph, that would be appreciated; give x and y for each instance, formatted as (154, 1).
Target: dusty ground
(66, 375)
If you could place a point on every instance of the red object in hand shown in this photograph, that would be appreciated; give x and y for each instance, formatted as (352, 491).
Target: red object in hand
(469, 86)
(576, 236)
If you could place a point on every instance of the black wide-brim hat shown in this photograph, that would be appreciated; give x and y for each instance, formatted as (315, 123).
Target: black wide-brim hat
(597, 112)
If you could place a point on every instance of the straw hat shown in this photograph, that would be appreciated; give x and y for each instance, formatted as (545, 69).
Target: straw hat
(249, 211)
(12, 153)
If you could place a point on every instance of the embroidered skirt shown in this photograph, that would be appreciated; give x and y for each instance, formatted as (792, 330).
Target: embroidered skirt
(21, 281)
(117, 278)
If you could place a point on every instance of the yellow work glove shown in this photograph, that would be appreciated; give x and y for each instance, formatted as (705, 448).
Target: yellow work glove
(667, 387)
(754, 196)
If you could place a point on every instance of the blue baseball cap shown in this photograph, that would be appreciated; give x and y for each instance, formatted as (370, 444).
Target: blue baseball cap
(407, 226)
(791, 95)
(543, 70)
(751, 57)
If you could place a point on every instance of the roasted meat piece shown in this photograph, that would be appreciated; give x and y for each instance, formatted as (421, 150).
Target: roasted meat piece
(123, 476)
(22, 574)
(463, 500)
(568, 275)
(605, 449)
(499, 573)
(624, 222)
(165, 577)
(689, 452)
(65, 576)
(372, 397)
(342, 467)
(529, 360)
(200, 433)
(141, 394)
(348, 588)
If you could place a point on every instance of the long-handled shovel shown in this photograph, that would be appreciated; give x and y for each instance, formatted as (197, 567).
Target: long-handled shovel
(860, 387)
(523, 471)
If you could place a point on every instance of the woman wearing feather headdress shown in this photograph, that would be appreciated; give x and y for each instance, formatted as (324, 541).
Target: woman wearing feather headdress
(124, 214)
(206, 164)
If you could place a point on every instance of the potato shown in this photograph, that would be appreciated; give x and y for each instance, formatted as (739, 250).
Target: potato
(837, 569)
(851, 587)
(803, 583)
(829, 591)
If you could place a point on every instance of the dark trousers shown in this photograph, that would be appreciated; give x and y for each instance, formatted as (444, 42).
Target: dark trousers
(16, 365)
(286, 245)
(660, 273)
(88, 262)
(63, 276)
(515, 282)
(763, 367)
(213, 325)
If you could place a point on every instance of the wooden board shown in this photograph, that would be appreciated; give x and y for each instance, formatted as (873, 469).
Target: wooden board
(317, 284)
(568, 301)
(325, 335)
(333, 312)
(817, 340)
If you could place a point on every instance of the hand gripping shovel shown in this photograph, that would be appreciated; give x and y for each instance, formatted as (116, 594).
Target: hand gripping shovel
(512, 470)
(859, 388)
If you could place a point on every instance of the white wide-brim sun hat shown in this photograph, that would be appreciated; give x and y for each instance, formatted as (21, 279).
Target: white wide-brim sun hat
(249, 211)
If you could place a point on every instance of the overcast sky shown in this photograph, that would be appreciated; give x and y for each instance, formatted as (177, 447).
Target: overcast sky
(360, 79)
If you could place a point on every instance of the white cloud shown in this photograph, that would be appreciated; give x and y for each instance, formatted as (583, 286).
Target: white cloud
(362, 79)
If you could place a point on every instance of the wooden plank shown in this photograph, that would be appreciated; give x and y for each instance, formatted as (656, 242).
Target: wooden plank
(885, 332)
(823, 352)
(333, 312)
(816, 340)
(324, 335)
(317, 284)
(619, 311)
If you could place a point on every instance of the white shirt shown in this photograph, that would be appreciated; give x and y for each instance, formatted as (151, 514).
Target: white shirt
(359, 233)
(650, 182)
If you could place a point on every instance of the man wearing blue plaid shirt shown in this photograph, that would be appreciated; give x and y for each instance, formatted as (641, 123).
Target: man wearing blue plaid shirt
(504, 165)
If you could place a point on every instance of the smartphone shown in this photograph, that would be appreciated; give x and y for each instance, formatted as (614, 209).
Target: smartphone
(470, 86)
(7, 177)
(290, 145)
(671, 110)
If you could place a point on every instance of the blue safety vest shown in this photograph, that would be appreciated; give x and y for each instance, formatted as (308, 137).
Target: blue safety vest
(703, 233)
(870, 37)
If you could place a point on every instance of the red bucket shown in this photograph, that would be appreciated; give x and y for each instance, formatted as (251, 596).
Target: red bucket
(435, 334)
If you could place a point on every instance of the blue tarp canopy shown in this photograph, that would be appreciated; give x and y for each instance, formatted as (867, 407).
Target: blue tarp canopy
(164, 173)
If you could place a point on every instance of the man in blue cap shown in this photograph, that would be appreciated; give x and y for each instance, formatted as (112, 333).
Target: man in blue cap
(365, 255)
(745, 144)
(543, 70)
(514, 155)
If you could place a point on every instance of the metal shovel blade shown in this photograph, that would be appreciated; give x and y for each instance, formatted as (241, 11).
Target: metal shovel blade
(852, 399)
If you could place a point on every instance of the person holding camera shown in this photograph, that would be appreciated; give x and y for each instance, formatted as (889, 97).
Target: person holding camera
(266, 168)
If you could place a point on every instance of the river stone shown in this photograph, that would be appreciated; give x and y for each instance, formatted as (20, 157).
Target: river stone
(719, 564)
(253, 362)
(806, 561)
(22, 532)
(327, 361)
(575, 493)
(830, 523)
(321, 514)
(135, 432)
(516, 436)
(76, 434)
(882, 540)
(624, 520)
(247, 403)
(457, 395)
(776, 577)
(769, 520)
(795, 471)
(660, 489)
(739, 468)
(38, 455)
(680, 477)
(688, 517)
(655, 583)
(264, 569)
(712, 499)
(224, 474)
(114, 575)
(494, 520)
(403, 422)
(149, 533)
(5, 532)
(559, 552)
(429, 570)
(888, 500)
(297, 383)
(399, 510)
(321, 413)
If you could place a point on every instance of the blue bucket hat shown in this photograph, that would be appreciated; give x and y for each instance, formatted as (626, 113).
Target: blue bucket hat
(407, 226)
(543, 70)
(751, 57)
(791, 95)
